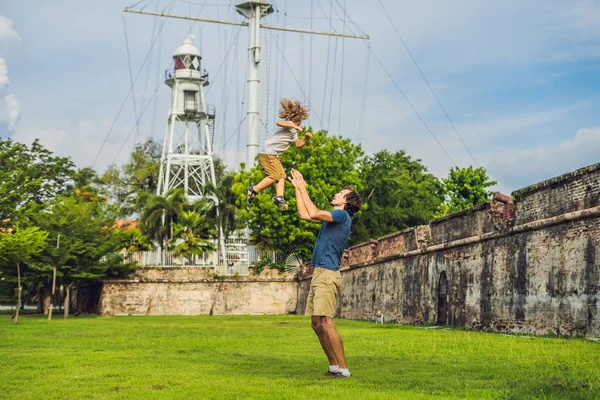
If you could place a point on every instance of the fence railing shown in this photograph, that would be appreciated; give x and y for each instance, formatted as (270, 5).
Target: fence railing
(238, 259)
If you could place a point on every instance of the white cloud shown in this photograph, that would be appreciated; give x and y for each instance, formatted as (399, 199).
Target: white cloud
(585, 17)
(6, 29)
(10, 111)
(543, 162)
(3, 74)
(81, 142)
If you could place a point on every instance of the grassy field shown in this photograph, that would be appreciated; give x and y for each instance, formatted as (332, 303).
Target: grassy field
(278, 357)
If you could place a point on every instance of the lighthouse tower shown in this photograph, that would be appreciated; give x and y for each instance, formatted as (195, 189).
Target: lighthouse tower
(187, 156)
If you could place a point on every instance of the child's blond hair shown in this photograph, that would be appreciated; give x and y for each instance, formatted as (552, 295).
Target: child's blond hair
(293, 110)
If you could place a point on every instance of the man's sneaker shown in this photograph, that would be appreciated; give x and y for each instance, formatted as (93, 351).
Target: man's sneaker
(329, 373)
(251, 193)
(280, 202)
(340, 375)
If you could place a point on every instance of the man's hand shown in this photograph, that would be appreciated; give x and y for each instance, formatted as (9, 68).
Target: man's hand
(298, 180)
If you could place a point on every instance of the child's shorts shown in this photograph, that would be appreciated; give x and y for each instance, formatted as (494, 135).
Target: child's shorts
(272, 166)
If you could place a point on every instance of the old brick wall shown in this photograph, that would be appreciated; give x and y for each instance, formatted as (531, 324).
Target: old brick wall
(193, 291)
(530, 266)
(569, 192)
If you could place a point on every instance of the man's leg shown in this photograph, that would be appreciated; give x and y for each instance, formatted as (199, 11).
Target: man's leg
(318, 325)
(335, 340)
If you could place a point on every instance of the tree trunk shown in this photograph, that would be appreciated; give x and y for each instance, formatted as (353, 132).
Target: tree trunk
(19, 295)
(47, 300)
(67, 299)
(51, 305)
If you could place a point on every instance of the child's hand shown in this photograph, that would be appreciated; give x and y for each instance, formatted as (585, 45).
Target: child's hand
(299, 128)
(308, 135)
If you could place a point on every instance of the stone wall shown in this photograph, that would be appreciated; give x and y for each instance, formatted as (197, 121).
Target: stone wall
(523, 265)
(566, 193)
(530, 266)
(194, 291)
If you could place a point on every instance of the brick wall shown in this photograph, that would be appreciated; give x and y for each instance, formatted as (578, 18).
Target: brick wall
(573, 191)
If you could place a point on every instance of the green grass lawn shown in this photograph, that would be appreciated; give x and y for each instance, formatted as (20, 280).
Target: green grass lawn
(278, 357)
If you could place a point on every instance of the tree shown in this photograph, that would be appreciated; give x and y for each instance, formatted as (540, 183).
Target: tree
(30, 174)
(132, 185)
(466, 187)
(160, 212)
(21, 247)
(398, 193)
(226, 208)
(88, 243)
(192, 235)
(328, 164)
(133, 239)
(85, 177)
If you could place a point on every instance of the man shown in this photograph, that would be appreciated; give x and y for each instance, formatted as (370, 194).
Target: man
(327, 255)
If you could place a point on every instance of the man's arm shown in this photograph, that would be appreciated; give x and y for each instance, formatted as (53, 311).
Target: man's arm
(302, 208)
(314, 213)
(302, 211)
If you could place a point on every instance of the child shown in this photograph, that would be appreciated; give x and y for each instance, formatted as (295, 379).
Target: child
(292, 113)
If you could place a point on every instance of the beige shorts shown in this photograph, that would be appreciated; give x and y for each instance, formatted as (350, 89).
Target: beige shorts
(272, 166)
(323, 292)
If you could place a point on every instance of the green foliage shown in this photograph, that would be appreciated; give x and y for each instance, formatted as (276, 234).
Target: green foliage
(133, 239)
(132, 185)
(466, 187)
(22, 245)
(30, 174)
(192, 235)
(160, 212)
(328, 163)
(263, 263)
(280, 266)
(19, 247)
(260, 264)
(398, 193)
(87, 248)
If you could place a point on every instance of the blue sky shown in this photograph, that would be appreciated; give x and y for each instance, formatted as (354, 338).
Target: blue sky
(520, 82)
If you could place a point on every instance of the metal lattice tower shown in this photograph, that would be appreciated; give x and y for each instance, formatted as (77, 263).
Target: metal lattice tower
(187, 157)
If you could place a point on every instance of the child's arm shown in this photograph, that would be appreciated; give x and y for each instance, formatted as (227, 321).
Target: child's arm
(289, 124)
(304, 140)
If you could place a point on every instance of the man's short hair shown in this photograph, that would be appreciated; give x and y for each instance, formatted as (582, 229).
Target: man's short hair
(353, 201)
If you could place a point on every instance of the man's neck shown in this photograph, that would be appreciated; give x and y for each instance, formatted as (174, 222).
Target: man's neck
(338, 207)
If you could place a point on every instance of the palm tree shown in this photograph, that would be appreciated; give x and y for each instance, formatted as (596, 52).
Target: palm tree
(135, 240)
(192, 235)
(160, 213)
(221, 202)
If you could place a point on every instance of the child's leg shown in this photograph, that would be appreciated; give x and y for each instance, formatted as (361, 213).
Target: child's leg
(279, 186)
(266, 182)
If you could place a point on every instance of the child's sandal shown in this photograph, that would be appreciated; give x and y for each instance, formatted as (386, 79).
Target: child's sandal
(251, 193)
(280, 202)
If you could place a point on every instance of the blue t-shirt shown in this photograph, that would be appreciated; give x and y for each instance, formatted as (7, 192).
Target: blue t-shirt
(332, 240)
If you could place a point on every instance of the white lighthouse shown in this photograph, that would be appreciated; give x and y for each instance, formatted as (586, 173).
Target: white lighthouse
(187, 157)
